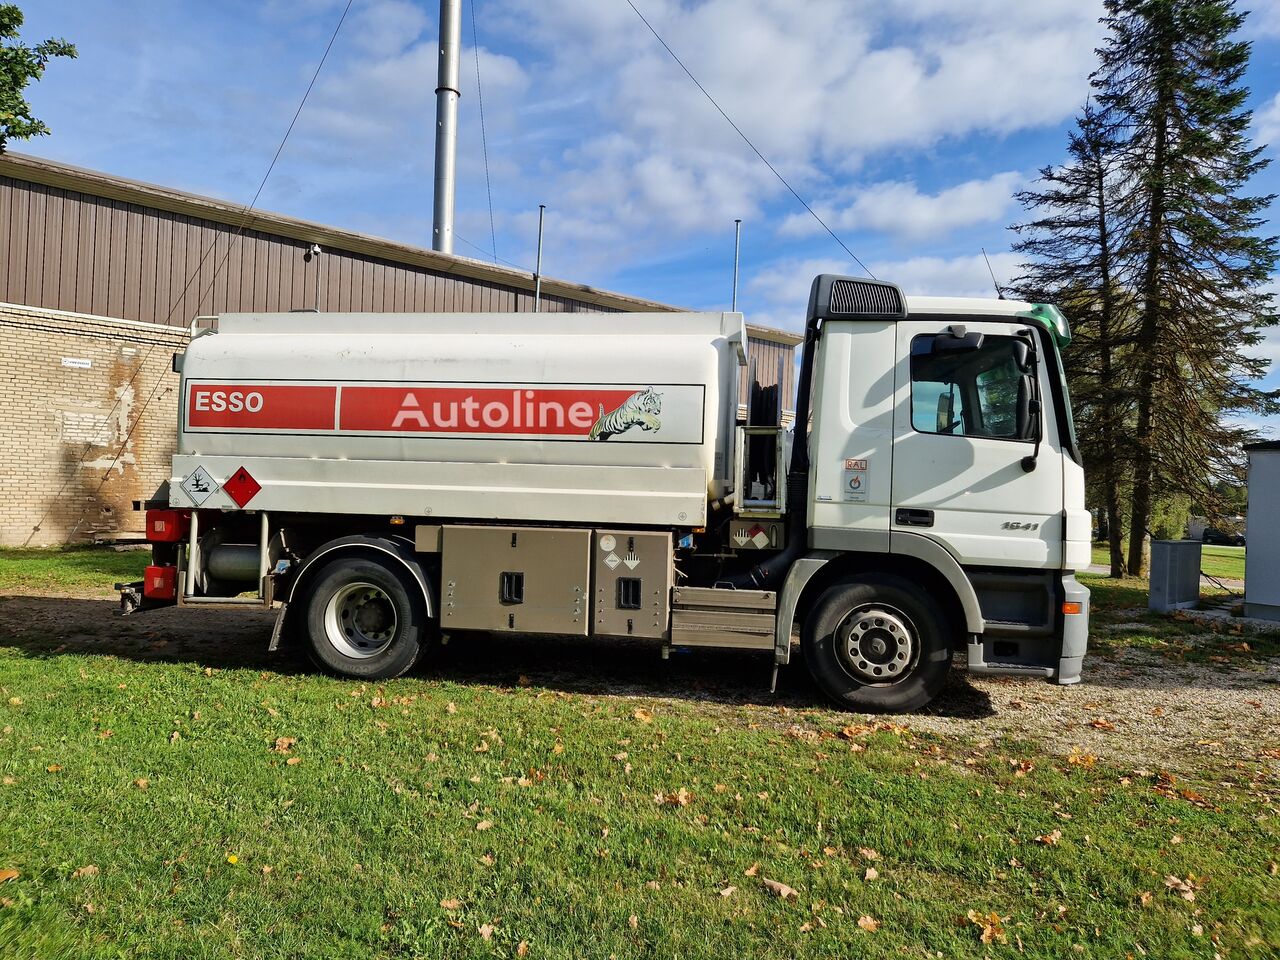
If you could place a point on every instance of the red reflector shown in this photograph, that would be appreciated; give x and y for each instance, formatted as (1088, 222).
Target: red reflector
(1072, 606)
(160, 583)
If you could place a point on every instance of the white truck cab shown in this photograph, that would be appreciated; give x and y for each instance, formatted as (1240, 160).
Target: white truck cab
(393, 482)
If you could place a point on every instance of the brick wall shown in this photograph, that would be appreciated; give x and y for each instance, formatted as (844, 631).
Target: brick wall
(88, 422)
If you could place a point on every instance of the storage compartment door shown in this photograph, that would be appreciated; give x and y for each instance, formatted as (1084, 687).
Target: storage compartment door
(633, 583)
(516, 579)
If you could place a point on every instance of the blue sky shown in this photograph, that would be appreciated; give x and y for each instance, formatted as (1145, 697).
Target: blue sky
(908, 124)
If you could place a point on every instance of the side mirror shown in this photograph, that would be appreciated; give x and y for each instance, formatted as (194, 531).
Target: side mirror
(946, 422)
(1028, 408)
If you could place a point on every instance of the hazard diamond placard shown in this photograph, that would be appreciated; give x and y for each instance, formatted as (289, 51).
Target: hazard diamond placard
(241, 487)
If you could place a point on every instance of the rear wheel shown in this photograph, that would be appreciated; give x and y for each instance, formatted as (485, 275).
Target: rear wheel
(877, 643)
(365, 619)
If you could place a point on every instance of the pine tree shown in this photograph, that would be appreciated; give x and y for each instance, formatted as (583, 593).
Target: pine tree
(1075, 257)
(1169, 91)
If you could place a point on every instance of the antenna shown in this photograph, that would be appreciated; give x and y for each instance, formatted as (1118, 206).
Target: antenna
(737, 247)
(537, 270)
(995, 283)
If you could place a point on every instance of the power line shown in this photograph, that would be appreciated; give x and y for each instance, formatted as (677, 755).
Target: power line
(246, 219)
(484, 142)
(747, 141)
(480, 249)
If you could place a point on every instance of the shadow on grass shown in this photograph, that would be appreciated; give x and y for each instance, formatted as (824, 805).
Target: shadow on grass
(237, 639)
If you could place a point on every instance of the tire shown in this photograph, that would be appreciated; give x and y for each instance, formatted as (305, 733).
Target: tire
(877, 643)
(365, 619)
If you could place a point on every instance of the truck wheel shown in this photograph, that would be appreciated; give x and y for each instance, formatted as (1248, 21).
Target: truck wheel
(364, 620)
(877, 643)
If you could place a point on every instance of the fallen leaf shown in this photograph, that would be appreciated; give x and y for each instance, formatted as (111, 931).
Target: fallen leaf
(558, 749)
(450, 707)
(869, 924)
(142, 783)
(15, 701)
(752, 870)
(871, 874)
(991, 925)
(1145, 898)
(486, 931)
(1050, 839)
(1184, 888)
(284, 744)
(522, 948)
(484, 825)
(633, 921)
(868, 854)
(779, 889)
(1197, 929)
(7, 875)
(89, 908)
(488, 860)
(642, 715)
(86, 871)
(1102, 724)
(681, 798)
(481, 747)
(175, 737)
(728, 891)
(54, 768)
(293, 761)
(1078, 759)
(266, 869)
(450, 903)
(106, 734)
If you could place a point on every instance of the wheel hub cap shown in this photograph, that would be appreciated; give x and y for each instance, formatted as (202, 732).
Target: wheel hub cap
(877, 645)
(360, 620)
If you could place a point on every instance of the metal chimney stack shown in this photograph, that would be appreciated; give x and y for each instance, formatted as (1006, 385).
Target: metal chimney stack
(446, 125)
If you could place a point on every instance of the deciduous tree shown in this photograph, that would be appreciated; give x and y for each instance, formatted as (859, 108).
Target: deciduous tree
(19, 65)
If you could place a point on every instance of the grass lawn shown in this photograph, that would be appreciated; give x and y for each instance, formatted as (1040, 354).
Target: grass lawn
(1226, 563)
(169, 810)
(71, 569)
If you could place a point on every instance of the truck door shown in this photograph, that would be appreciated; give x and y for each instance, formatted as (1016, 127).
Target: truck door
(971, 400)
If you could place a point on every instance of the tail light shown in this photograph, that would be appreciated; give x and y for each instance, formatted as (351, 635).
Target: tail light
(160, 583)
(167, 526)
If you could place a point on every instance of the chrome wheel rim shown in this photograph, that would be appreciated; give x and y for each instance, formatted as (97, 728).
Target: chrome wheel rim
(877, 644)
(360, 620)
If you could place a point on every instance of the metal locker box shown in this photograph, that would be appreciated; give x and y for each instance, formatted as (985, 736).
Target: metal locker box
(632, 574)
(515, 579)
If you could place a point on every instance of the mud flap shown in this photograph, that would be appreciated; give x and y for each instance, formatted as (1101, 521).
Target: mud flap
(277, 631)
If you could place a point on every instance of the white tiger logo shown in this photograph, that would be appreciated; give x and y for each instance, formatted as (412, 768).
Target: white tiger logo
(641, 410)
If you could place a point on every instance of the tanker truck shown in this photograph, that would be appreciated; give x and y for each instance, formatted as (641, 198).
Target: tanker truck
(390, 483)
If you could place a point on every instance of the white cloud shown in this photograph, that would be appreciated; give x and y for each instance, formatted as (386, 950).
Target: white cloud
(898, 208)
(964, 276)
(817, 93)
(1266, 123)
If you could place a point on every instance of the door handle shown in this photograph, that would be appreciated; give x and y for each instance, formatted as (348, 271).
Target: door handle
(904, 517)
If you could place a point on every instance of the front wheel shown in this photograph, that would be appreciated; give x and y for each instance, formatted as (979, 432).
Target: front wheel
(878, 643)
(364, 620)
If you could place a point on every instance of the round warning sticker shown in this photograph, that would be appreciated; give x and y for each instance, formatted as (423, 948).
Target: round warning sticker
(607, 543)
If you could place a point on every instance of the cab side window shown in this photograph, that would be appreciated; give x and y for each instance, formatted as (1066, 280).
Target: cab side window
(973, 386)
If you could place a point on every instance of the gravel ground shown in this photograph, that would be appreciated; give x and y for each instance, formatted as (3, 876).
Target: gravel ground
(1136, 707)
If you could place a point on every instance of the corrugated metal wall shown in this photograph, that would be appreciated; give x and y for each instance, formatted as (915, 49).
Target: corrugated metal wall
(63, 249)
(73, 251)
